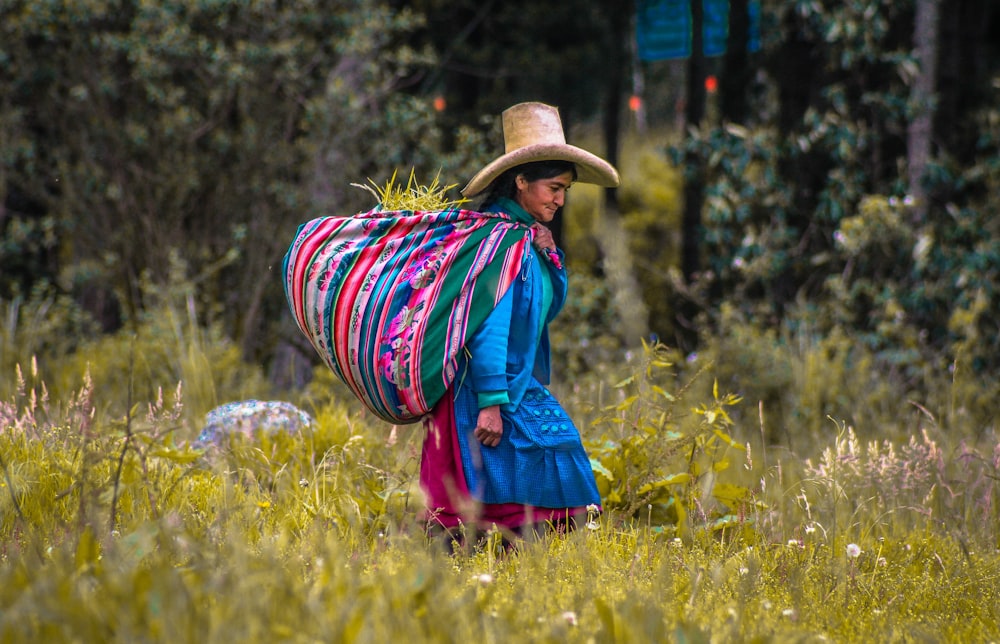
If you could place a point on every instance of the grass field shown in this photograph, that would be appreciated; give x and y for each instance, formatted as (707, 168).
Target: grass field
(115, 529)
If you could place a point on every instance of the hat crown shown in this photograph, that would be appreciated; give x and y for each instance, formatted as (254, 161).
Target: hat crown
(534, 132)
(527, 124)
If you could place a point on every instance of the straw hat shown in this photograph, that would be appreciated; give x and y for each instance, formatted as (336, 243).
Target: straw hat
(534, 132)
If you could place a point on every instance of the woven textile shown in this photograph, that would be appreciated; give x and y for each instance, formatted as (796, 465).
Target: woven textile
(389, 299)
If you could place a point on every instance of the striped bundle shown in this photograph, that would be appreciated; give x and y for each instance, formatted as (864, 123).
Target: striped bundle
(389, 298)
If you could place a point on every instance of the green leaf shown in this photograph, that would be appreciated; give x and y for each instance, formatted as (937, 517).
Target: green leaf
(599, 468)
(729, 440)
(625, 383)
(674, 479)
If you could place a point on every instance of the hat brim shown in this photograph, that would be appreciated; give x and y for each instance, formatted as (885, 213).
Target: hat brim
(590, 168)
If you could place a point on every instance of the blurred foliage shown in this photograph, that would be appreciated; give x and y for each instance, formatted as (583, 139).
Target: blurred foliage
(493, 54)
(172, 342)
(808, 233)
(132, 131)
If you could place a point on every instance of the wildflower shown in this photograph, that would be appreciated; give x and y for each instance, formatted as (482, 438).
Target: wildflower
(592, 508)
(788, 612)
(853, 550)
(570, 617)
(485, 579)
(592, 525)
(303, 483)
(793, 542)
(810, 528)
(744, 570)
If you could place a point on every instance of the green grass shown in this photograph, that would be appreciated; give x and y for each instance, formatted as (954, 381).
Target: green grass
(114, 529)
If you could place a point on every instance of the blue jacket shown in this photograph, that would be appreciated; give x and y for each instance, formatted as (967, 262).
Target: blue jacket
(512, 345)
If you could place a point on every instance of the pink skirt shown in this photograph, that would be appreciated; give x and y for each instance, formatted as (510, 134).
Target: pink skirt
(448, 501)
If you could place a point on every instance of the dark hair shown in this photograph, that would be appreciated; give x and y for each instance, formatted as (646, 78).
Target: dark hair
(506, 184)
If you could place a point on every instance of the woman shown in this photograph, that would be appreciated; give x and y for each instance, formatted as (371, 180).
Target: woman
(500, 449)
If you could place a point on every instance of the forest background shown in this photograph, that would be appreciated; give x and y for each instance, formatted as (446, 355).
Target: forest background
(830, 195)
(781, 346)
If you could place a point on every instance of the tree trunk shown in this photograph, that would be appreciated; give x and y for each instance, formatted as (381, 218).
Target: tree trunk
(735, 80)
(694, 114)
(963, 80)
(920, 130)
(686, 310)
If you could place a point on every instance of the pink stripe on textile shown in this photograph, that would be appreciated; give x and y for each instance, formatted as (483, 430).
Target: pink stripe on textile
(307, 249)
(442, 478)
(396, 253)
(350, 302)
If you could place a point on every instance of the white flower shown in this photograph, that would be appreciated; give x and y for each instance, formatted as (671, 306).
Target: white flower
(484, 579)
(570, 617)
(853, 550)
(592, 508)
(592, 525)
(788, 612)
(810, 528)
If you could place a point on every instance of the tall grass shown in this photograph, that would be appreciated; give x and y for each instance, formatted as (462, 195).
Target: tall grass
(117, 530)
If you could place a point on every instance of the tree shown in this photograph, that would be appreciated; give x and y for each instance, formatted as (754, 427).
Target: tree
(806, 224)
(920, 129)
(734, 80)
(188, 137)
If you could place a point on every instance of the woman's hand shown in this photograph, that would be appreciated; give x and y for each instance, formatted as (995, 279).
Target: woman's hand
(545, 244)
(543, 238)
(489, 426)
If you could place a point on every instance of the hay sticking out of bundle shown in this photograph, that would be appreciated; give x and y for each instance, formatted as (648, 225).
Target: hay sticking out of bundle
(413, 196)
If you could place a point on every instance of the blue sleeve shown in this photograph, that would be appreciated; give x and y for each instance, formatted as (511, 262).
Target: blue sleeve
(488, 354)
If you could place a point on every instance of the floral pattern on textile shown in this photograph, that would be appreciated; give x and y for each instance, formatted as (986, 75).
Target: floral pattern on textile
(399, 340)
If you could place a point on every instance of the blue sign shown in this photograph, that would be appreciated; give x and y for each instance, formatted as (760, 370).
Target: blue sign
(663, 28)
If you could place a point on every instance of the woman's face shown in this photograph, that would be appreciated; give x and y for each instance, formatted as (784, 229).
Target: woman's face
(542, 197)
